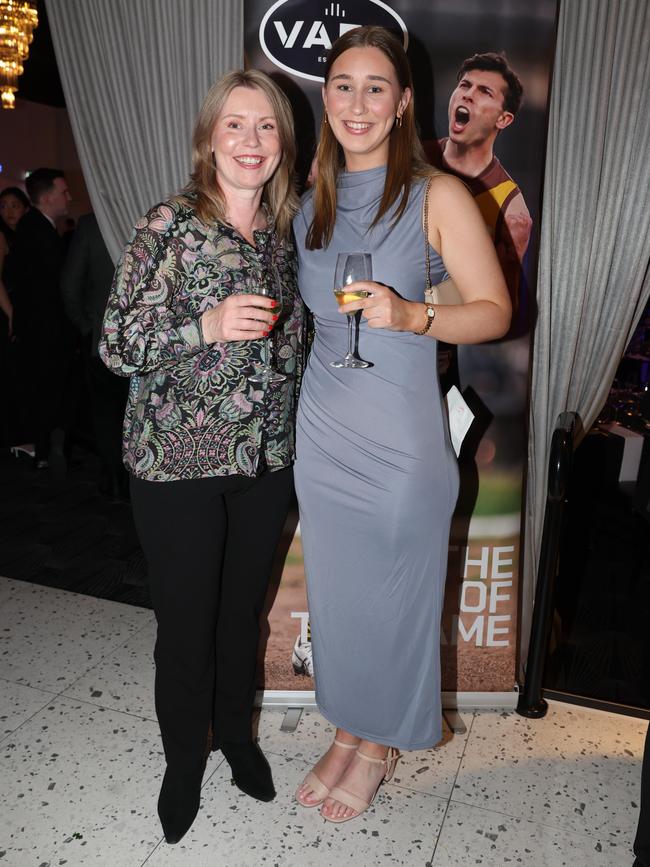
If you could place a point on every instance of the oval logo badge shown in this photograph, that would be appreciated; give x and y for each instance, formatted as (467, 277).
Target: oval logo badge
(296, 35)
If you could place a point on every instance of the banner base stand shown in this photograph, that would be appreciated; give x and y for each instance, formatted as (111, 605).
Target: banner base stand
(454, 721)
(284, 699)
(478, 700)
(299, 699)
(291, 719)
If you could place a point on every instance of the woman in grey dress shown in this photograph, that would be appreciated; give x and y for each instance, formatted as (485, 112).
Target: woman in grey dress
(375, 473)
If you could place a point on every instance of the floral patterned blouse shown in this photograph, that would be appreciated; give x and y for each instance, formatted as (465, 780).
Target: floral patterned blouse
(191, 412)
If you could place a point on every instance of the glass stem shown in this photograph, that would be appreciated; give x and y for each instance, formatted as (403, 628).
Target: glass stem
(265, 354)
(350, 333)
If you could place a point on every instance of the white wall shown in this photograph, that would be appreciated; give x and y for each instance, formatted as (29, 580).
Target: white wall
(34, 135)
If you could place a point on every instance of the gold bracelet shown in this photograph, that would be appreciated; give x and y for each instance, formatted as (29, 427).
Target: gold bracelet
(431, 315)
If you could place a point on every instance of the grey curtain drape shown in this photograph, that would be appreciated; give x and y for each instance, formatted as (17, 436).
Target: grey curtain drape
(134, 73)
(595, 241)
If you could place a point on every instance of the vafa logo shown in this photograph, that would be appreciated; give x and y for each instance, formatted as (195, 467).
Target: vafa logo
(297, 40)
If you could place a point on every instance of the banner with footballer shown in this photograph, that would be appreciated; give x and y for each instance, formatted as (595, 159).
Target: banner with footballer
(482, 76)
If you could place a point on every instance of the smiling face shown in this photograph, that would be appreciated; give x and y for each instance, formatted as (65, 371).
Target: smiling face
(245, 142)
(362, 98)
(476, 110)
(11, 210)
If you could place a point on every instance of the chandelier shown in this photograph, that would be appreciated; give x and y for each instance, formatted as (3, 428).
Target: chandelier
(18, 18)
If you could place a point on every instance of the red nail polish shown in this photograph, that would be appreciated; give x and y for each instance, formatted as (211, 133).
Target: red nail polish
(274, 317)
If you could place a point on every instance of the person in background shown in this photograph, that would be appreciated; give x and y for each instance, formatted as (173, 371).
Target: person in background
(14, 204)
(484, 103)
(85, 284)
(66, 229)
(45, 335)
(210, 453)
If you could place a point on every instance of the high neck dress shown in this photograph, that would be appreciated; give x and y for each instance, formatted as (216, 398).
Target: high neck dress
(377, 482)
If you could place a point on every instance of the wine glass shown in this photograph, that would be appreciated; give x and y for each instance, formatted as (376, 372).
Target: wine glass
(350, 268)
(265, 373)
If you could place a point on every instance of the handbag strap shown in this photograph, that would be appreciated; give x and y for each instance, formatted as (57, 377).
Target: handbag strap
(425, 224)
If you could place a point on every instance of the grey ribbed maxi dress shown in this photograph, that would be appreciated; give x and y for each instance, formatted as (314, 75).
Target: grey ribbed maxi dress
(377, 482)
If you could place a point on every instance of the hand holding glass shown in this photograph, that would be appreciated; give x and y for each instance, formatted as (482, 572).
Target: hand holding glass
(351, 268)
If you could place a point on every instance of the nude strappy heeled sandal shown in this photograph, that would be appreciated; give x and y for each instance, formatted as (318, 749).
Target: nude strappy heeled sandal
(354, 802)
(318, 788)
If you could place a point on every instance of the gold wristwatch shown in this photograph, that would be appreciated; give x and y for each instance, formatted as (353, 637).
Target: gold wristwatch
(431, 315)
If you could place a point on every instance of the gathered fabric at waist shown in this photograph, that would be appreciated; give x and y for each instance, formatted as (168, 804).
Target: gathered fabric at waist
(397, 402)
(400, 356)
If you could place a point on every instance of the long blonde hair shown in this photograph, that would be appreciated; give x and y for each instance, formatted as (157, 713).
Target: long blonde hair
(203, 191)
(406, 159)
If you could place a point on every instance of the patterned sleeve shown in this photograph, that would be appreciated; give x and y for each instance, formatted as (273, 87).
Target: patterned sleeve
(142, 330)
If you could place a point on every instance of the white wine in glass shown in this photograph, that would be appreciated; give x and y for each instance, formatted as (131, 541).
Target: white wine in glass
(351, 268)
(344, 296)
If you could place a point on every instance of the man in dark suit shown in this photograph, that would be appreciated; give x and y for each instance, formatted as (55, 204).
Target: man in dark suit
(85, 284)
(40, 322)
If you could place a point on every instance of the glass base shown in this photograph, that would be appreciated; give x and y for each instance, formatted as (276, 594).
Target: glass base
(267, 376)
(351, 361)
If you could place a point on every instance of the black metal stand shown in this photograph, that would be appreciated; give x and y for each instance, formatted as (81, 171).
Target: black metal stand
(531, 704)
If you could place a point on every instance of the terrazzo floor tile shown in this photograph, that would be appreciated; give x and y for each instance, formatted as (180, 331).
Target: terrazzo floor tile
(434, 771)
(49, 638)
(79, 779)
(232, 829)
(17, 704)
(124, 679)
(308, 742)
(78, 786)
(575, 769)
(473, 836)
(428, 771)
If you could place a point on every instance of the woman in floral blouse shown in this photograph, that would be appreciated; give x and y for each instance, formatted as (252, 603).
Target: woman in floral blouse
(209, 453)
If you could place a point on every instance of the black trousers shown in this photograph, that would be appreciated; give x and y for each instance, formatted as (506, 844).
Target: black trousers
(209, 545)
(642, 841)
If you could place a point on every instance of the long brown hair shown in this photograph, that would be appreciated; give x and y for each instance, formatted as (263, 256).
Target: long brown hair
(406, 159)
(203, 191)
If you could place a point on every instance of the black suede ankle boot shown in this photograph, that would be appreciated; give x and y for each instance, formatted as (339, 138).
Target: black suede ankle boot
(250, 770)
(178, 803)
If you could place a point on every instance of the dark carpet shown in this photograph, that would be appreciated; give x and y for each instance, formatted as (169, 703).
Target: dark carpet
(59, 531)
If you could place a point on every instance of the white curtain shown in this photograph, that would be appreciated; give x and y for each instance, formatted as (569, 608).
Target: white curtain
(595, 242)
(134, 73)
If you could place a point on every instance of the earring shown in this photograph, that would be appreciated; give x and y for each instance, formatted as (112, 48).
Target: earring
(214, 162)
(325, 120)
(399, 121)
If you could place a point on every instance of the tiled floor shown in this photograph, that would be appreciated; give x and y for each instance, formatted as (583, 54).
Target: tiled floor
(81, 764)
